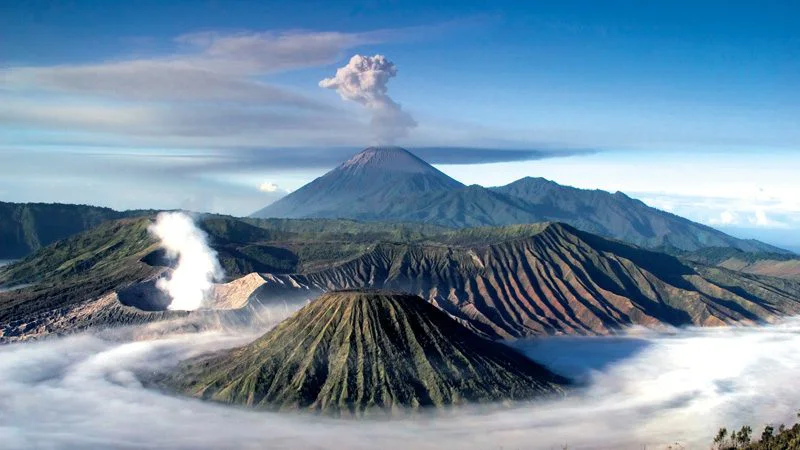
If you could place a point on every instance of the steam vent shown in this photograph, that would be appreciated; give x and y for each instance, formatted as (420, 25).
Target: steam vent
(356, 352)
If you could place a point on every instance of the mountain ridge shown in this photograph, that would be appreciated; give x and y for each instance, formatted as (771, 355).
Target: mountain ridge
(366, 180)
(27, 227)
(508, 282)
(560, 280)
(393, 195)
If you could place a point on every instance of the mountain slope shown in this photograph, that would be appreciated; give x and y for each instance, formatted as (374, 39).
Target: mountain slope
(769, 264)
(371, 178)
(27, 227)
(507, 282)
(356, 351)
(561, 280)
(390, 184)
(72, 280)
(103, 277)
(621, 217)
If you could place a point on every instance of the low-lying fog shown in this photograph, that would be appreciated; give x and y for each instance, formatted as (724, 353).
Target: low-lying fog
(646, 389)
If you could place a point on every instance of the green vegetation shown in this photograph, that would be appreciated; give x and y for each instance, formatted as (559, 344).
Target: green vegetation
(27, 227)
(356, 352)
(781, 438)
(717, 255)
(77, 269)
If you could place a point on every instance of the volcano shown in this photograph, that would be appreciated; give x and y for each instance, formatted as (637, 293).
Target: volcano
(359, 351)
(389, 184)
(363, 184)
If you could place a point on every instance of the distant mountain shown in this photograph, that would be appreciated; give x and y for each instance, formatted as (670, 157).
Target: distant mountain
(362, 184)
(357, 352)
(27, 227)
(556, 279)
(770, 264)
(390, 184)
(621, 217)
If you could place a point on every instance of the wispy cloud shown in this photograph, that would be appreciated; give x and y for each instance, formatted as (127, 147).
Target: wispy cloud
(205, 66)
(210, 84)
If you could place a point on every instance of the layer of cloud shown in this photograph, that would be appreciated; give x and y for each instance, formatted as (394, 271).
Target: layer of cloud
(222, 181)
(207, 66)
(759, 210)
(211, 85)
(648, 390)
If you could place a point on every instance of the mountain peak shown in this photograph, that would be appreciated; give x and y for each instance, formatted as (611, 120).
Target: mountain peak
(412, 355)
(391, 158)
(364, 185)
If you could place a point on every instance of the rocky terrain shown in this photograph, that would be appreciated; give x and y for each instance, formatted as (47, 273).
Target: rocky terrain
(357, 352)
(503, 282)
(561, 280)
(759, 263)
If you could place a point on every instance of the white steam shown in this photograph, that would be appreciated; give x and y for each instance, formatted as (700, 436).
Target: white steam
(645, 391)
(197, 268)
(364, 80)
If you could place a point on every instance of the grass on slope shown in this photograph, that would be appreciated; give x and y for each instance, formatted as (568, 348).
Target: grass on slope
(355, 351)
(77, 269)
(27, 227)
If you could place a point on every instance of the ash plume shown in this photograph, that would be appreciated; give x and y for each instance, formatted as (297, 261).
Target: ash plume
(365, 80)
(197, 268)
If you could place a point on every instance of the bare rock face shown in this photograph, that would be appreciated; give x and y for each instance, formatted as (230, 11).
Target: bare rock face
(355, 352)
(235, 294)
(559, 280)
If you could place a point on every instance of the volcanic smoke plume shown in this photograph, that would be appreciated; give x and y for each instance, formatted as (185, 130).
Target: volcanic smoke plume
(364, 80)
(197, 267)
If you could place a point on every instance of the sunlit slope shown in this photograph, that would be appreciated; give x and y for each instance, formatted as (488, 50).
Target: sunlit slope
(354, 351)
(562, 280)
(73, 279)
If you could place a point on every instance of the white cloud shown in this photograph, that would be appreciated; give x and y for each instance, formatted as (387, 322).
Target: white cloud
(725, 218)
(213, 67)
(760, 218)
(647, 391)
(268, 187)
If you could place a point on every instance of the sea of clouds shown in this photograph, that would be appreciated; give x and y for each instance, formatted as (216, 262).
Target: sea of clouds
(645, 389)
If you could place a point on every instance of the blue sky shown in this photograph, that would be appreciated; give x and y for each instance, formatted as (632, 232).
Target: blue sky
(692, 106)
